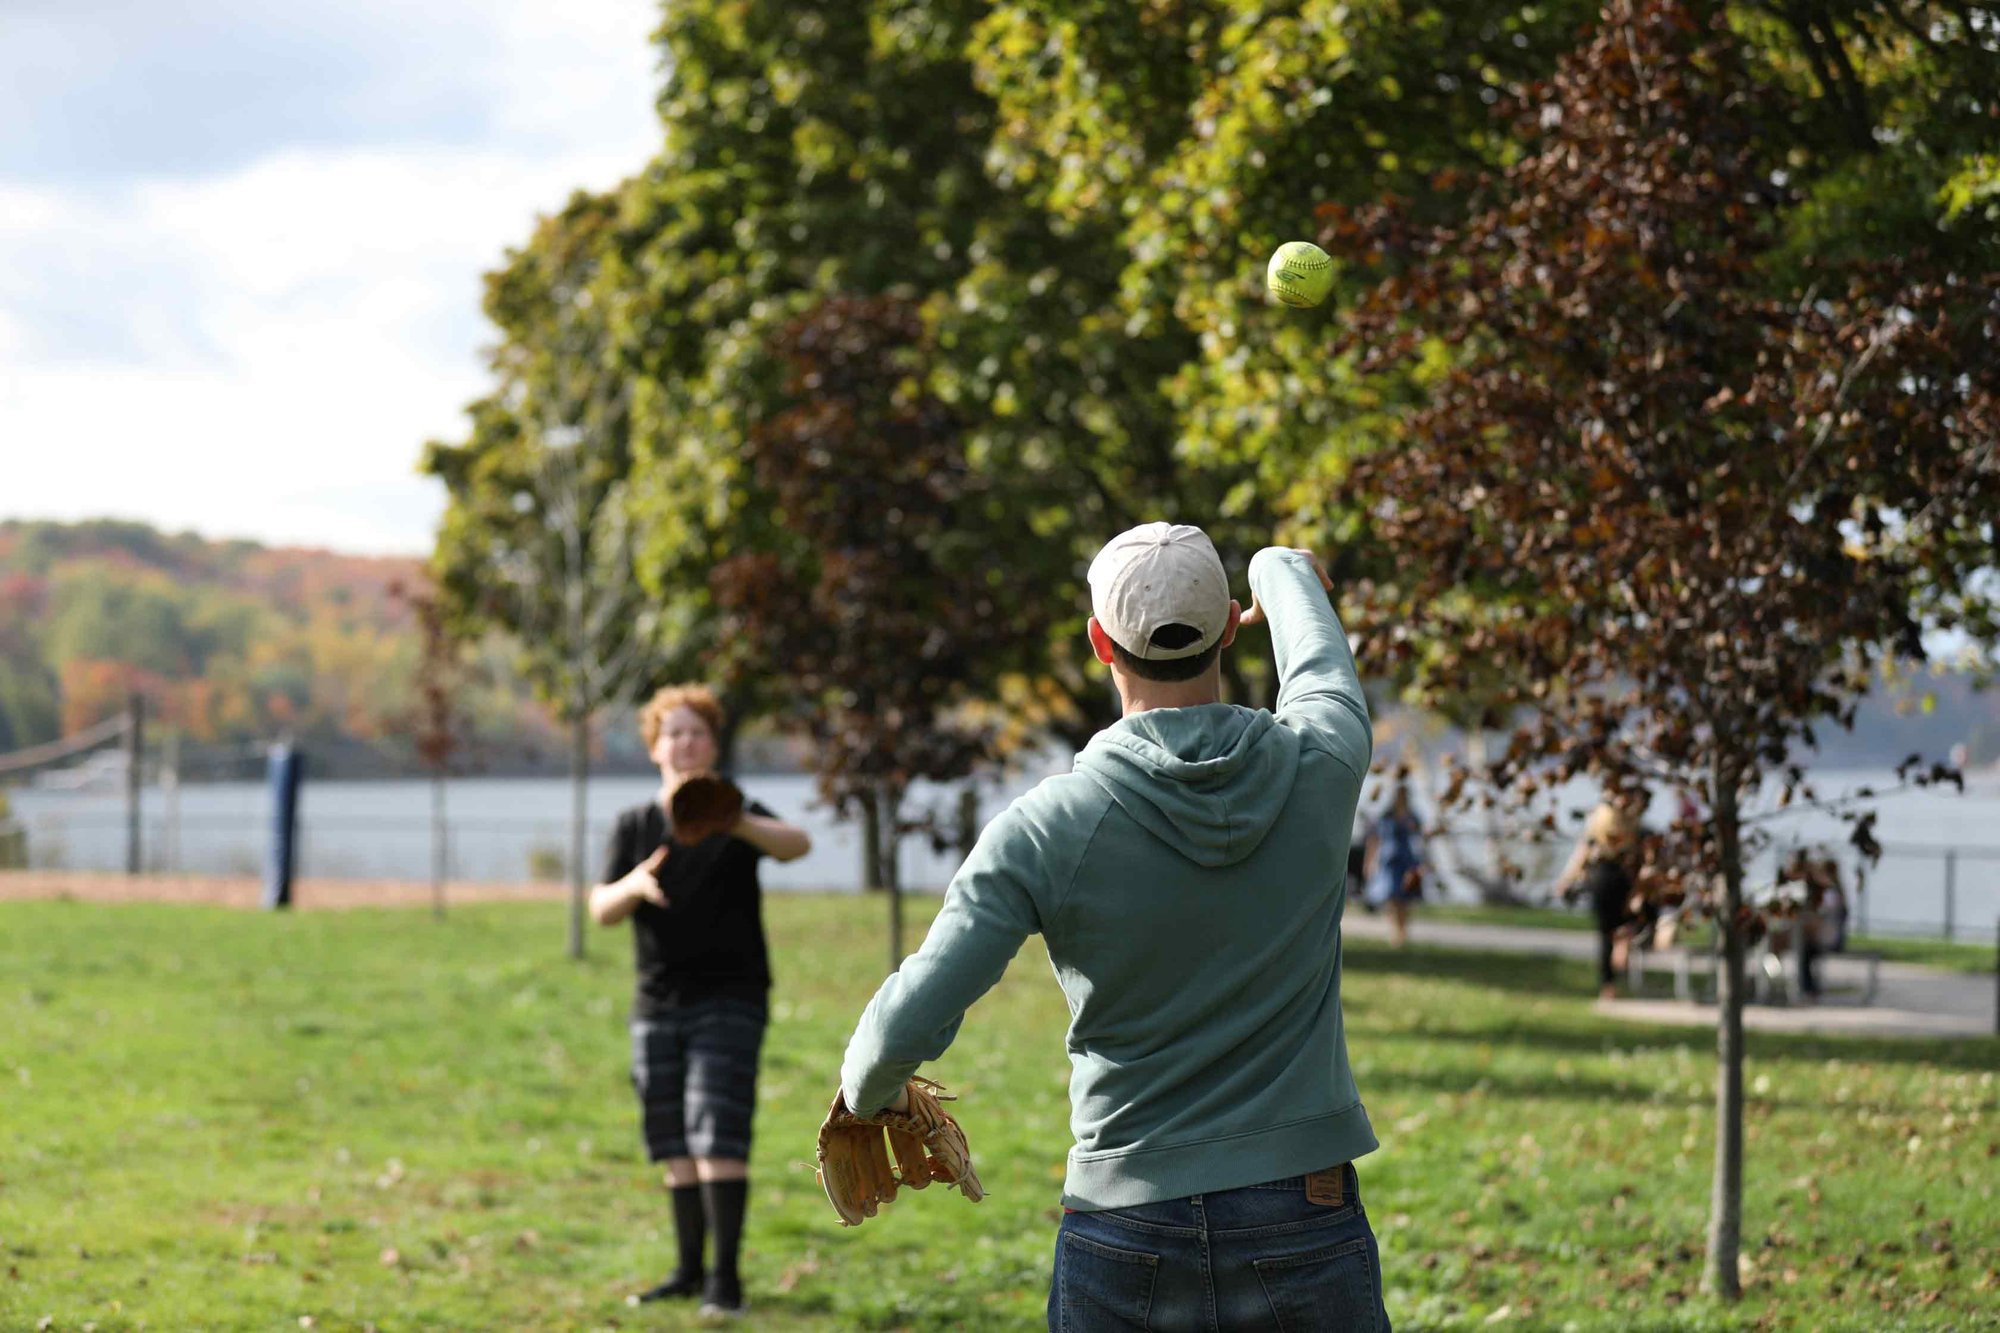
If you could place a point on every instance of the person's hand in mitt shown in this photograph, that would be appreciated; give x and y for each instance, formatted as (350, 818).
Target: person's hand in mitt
(703, 806)
(854, 1160)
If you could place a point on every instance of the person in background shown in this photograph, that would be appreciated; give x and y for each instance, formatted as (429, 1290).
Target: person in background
(701, 1001)
(1604, 868)
(1822, 923)
(1394, 863)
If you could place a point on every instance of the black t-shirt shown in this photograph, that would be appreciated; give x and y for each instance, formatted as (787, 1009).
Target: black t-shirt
(1608, 885)
(709, 939)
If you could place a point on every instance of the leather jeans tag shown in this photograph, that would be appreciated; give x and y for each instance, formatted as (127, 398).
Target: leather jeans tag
(1328, 1187)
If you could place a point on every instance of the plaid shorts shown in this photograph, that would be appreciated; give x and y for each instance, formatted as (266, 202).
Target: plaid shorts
(695, 1070)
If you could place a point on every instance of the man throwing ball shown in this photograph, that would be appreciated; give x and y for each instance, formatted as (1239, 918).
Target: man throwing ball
(1188, 878)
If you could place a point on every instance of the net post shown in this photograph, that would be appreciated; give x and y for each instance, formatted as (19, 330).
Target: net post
(286, 769)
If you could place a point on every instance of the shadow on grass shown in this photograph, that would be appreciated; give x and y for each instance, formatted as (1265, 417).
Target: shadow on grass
(1507, 1085)
(1533, 974)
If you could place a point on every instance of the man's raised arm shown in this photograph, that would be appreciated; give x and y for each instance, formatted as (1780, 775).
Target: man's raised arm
(1318, 684)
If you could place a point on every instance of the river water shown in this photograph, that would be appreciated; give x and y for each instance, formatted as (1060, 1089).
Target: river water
(1943, 857)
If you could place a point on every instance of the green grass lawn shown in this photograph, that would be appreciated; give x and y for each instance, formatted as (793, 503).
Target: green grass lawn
(1951, 955)
(222, 1120)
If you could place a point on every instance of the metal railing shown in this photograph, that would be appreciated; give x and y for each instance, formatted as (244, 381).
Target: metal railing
(1948, 891)
(1916, 890)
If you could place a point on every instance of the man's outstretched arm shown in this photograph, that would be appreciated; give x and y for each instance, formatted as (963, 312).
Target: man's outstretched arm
(989, 910)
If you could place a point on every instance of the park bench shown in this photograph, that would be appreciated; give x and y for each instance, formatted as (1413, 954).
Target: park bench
(1679, 956)
(1765, 969)
(1769, 966)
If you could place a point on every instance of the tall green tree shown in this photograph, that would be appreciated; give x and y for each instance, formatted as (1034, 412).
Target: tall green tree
(1207, 133)
(809, 148)
(1893, 109)
(818, 149)
(30, 707)
(1080, 195)
(1199, 134)
(890, 607)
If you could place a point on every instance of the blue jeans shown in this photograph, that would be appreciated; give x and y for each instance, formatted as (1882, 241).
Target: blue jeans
(1266, 1257)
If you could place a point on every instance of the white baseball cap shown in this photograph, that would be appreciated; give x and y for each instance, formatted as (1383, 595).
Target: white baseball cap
(1155, 575)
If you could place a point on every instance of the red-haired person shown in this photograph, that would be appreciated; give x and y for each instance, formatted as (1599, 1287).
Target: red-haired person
(700, 1004)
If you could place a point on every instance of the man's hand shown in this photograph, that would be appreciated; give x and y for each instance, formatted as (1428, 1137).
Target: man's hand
(855, 1152)
(641, 882)
(1255, 615)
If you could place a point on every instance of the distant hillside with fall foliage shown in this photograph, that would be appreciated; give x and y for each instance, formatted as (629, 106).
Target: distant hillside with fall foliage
(234, 644)
(231, 642)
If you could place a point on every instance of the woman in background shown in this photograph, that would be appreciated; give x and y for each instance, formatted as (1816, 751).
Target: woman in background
(1394, 865)
(1604, 867)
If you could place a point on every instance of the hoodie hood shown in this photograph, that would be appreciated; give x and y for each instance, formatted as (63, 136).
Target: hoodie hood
(1208, 781)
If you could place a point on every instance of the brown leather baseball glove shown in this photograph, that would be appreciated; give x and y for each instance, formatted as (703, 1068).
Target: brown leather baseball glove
(928, 1145)
(703, 806)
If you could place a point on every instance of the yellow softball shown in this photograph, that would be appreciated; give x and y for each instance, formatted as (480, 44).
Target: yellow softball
(1299, 274)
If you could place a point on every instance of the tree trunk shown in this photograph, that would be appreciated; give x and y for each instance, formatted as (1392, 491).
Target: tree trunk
(135, 778)
(579, 776)
(440, 853)
(725, 742)
(170, 794)
(871, 841)
(891, 806)
(968, 820)
(1725, 1217)
(1496, 886)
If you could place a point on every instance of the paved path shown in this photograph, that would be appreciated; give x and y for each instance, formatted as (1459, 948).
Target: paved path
(1910, 1001)
(244, 891)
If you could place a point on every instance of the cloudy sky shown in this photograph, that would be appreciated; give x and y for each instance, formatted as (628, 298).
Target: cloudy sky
(240, 242)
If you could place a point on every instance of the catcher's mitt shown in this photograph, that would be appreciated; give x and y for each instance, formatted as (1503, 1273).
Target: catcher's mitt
(703, 806)
(854, 1165)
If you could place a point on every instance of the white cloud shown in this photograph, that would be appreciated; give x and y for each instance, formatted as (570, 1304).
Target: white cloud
(568, 70)
(263, 352)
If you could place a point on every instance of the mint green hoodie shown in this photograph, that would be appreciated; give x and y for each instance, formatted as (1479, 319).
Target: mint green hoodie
(1188, 878)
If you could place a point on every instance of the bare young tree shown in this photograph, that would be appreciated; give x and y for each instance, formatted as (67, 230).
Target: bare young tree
(539, 540)
(584, 622)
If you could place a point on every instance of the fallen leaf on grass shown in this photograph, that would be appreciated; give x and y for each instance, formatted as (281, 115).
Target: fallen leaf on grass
(805, 1267)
